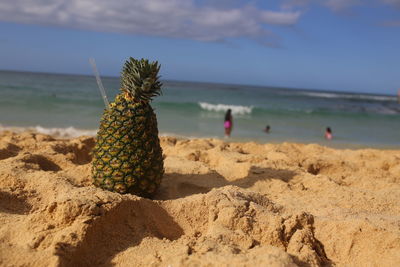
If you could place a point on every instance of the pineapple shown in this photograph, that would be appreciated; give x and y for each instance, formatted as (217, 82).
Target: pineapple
(128, 157)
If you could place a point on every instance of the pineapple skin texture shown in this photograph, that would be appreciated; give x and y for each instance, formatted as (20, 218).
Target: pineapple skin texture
(127, 157)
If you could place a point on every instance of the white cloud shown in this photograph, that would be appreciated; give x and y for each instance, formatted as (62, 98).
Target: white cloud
(395, 3)
(345, 6)
(391, 23)
(338, 5)
(172, 18)
(280, 18)
(335, 5)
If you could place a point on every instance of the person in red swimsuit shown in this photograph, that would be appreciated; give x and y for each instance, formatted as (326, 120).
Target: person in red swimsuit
(228, 123)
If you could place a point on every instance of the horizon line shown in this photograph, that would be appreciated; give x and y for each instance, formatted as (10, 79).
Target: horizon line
(207, 82)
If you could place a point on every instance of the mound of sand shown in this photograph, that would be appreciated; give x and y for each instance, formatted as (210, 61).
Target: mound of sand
(220, 204)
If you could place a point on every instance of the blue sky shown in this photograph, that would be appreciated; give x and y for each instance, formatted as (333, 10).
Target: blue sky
(344, 45)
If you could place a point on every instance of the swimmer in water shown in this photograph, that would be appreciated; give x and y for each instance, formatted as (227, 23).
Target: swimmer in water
(328, 133)
(228, 123)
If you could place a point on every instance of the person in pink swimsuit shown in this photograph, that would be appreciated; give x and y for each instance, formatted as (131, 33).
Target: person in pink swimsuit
(328, 134)
(228, 123)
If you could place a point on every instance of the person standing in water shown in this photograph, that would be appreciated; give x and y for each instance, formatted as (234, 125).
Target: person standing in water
(228, 123)
(328, 133)
(267, 129)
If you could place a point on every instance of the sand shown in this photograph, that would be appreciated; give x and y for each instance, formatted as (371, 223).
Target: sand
(220, 204)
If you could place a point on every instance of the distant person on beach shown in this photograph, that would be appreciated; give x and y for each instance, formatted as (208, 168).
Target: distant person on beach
(267, 129)
(228, 123)
(328, 133)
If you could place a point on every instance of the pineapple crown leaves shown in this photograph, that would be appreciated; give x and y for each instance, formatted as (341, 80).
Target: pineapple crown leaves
(140, 79)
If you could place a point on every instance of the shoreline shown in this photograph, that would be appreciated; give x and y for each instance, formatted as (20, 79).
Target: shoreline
(244, 203)
(72, 132)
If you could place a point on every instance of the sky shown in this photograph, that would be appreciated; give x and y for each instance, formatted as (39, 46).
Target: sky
(341, 45)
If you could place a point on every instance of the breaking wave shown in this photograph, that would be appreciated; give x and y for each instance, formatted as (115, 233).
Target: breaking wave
(350, 96)
(236, 109)
(66, 132)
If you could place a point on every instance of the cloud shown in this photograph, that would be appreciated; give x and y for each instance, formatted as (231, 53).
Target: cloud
(344, 7)
(339, 5)
(290, 4)
(391, 23)
(395, 3)
(270, 17)
(172, 18)
(335, 5)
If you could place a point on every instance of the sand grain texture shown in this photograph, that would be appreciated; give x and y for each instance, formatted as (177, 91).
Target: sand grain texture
(220, 204)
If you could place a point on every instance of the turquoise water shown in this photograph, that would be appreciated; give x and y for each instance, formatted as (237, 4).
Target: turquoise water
(71, 105)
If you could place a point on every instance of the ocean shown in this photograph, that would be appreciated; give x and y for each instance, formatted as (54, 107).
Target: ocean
(71, 105)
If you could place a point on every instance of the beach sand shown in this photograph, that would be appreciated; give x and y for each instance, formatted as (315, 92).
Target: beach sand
(220, 204)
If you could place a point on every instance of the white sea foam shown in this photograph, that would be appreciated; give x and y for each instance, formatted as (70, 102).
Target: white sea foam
(67, 132)
(236, 109)
(350, 96)
(385, 110)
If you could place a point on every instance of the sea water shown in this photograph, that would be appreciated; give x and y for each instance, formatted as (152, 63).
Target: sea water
(71, 105)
